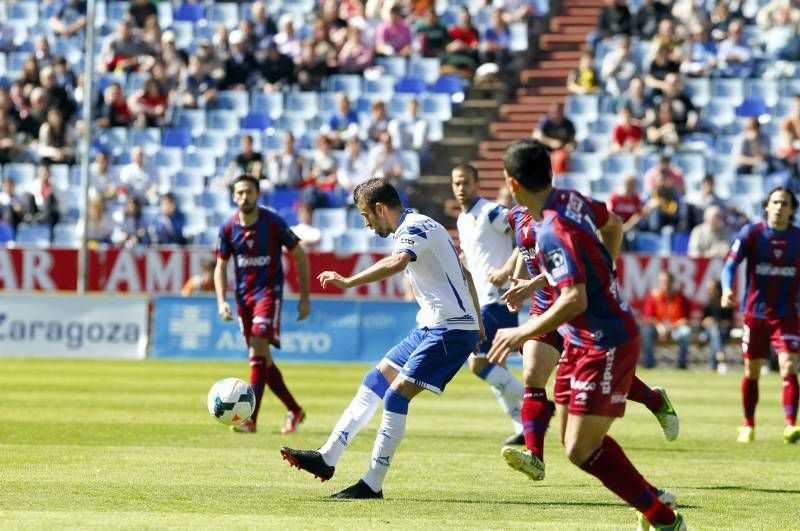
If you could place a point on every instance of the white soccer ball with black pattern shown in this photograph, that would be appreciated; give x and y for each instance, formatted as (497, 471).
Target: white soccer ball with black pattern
(231, 401)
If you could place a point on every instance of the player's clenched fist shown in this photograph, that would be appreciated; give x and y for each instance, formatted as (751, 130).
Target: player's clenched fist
(333, 278)
(727, 298)
(303, 308)
(225, 311)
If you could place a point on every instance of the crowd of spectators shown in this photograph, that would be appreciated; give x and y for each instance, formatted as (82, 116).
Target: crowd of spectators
(641, 68)
(267, 50)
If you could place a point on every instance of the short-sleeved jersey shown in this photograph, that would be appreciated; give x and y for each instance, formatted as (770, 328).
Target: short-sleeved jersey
(256, 250)
(773, 263)
(570, 253)
(435, 273)
(520, 221)
(485, 240)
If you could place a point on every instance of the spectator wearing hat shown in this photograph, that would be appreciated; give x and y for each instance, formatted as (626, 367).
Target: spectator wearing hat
(277, 69)
(241, 66)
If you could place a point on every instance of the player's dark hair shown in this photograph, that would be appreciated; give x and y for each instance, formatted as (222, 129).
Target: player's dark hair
(792, 197)
(528, 162)
(376, 190)
(468, 169)
(247, 178)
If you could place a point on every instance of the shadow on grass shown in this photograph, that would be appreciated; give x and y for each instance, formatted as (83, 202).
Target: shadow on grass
(495, 502)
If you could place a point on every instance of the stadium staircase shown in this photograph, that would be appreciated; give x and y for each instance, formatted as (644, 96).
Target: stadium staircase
(544, 82)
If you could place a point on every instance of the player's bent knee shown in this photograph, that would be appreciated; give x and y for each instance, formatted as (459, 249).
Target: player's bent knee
(577, 451)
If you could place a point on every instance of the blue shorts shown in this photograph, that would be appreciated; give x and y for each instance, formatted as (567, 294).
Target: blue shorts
(495, 316)
(430, 358)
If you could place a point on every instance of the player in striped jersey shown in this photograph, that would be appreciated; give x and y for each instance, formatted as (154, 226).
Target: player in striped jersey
(772, 251)
(254, 238)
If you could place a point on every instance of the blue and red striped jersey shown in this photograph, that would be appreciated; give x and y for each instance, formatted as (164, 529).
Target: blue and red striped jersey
(257, 250)
(773, 261)
(520, 221)
(570, 253)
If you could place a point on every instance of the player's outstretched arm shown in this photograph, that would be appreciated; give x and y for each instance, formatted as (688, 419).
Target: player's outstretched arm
(383, 268)
(301, 259)
(220, 287)
(611, 235)
(522, 290)
(570, 303)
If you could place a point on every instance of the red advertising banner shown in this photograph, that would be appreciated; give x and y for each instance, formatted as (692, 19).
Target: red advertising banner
(165, 270)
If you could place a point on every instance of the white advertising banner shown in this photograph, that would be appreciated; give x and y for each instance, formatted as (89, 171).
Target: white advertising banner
(71, 326)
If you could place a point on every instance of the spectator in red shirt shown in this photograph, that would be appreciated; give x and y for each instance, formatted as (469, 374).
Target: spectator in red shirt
(627, 135)
(627, 204)
(654, 173)
(665, 316)
(150, 105)
(462, 50)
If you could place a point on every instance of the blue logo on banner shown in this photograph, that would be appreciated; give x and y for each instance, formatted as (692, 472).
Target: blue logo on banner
(336, 330)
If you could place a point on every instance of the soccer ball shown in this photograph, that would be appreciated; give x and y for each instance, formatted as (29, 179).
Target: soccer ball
(231, 401)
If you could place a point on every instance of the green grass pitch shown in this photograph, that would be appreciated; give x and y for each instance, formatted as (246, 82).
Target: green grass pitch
(130, 445)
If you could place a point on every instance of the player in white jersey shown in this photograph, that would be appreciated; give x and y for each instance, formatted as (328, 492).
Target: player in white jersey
(449, 329)
(487, 244)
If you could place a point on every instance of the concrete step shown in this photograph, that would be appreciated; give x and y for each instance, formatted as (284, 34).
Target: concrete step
(486, 109)
(484, 164)
(467, 126)
(510, 136)
(577, 29)
(581, 11)
(575, 41)
(557, 64)
(511, 111)
(544, 78)
(454, 150)
(539, 91)
(563, 55)
(488, 91)
(589, 19)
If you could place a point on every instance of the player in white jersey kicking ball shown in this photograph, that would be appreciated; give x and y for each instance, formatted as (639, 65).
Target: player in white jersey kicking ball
(449, 329)
(487, 243)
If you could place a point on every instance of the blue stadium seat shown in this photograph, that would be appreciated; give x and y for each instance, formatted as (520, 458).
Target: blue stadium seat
(193, 13)
(698, 90)
(411, 170)
(164, 14)
(213, 142)
(752, 108)
(200, 163)
(113, 141)
(237, 101)
(604, 125)
(66, 235)
(582, 107)
(215, 200)
(117, 11)
(573, 181)
(724, 144)
(620, 164)
(196, 221)
(303, 104)
(22, 173)
(281, 198)
(347, 83)
(411, 85)
(354, 219)
(296, 124)
(148, 139)
(223, 121)
(728, 89)
(586, 165)
(648, 243)
(169, 159)
(180, 137)
(192, 119)
(6, 233)
(788, 88)
(394, 66)
(332, 220)
(353, 241)
(765, 90)
(184, 33)
(136, 81)
(451, 85)
(751, 186)
(38, 235)
(436, 107)
(398, 104)
(25, 13)
(223, 13)
(256, 120)
(719, 114)
(59, 175)
(380, 245)
(382, 87)
(680, 242)
(693, 165)
(272, 142)
(268, 102)
(427, 68)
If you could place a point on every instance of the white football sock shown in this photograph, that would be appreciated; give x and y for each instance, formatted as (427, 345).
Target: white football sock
(355, 417)
(393, 427)
(508, 391)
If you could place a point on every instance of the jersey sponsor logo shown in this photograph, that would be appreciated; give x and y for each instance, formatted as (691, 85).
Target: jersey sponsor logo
(608, 375)
(618, 398)
(769, 270)
(407, 241)
(583, 396)
(557, 263)
(777, 252)
(249, 243)
(582, 385)
(736, 245)
(252, 261)
(574, 211)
